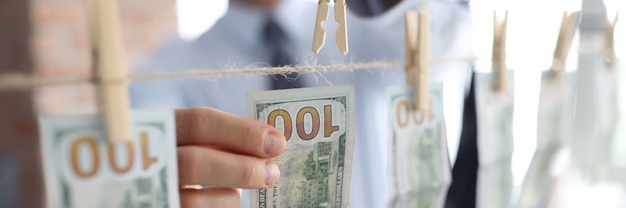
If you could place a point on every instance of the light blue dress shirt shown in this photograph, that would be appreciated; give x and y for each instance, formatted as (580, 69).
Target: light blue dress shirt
(235, 41)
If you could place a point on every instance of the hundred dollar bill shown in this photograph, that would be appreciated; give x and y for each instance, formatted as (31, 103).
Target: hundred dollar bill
(495, 185)
(82, 169)
(495, 142)
(419, 167)
(317, 163)
(556, 108)
(607, 114)
(538, 181)
(618, 156)
(554, 126)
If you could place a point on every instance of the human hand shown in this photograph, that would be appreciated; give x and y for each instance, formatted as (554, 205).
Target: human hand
(224, 152)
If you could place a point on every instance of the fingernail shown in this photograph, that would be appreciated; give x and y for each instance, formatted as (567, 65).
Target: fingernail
(273, 173)
(272, 143)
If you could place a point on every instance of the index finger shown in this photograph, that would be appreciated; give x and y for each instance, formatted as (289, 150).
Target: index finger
(211, 127)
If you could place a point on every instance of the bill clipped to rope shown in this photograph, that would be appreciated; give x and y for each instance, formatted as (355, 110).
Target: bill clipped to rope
(417, 57)
(110, 73)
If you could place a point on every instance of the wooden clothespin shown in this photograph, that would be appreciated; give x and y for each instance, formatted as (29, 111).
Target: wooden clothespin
(563, 44)
(610, 41)
(319, 35)
(418, 58)
(110, 73)
(499, 52)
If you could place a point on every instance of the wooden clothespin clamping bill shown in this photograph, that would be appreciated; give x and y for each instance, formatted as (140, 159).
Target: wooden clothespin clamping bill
(610, 41)
(418, 58)
(319, 35)
(110, 73)
(499, 52)
(564, 43)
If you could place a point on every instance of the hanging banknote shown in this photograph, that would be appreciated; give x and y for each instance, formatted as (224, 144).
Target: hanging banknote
(607, 113)
(317, 164)
(618, 157)
(556, 109)
(419, 167)
(554, 126)
(495, 142)
(608, 99)
(82, 169)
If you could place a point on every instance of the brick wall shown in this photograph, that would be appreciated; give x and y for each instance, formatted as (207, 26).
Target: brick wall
(50, 37)
(18, 137)
(60, 45)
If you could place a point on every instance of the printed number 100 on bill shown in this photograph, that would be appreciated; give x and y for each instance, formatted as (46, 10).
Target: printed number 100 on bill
(316, 166)
(83, 169)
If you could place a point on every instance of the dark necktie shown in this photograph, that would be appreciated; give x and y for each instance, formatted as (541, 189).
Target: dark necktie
(276, 42)
(462, 191)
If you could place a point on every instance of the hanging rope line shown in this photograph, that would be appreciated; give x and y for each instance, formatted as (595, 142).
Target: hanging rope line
(18, 81)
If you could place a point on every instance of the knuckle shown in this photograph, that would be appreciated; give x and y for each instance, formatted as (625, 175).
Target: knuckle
(249, 172)
(186, 162)
(234, 197)
(222, 197)
(252, 138)
(197, 122)
(185, 122)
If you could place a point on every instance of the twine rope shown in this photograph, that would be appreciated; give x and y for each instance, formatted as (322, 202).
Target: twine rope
(20, 81)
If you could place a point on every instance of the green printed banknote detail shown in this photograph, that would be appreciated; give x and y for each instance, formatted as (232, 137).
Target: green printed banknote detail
(82, 169)
(554, 127)
(494, 111)
(317, 164)
(419, 166)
